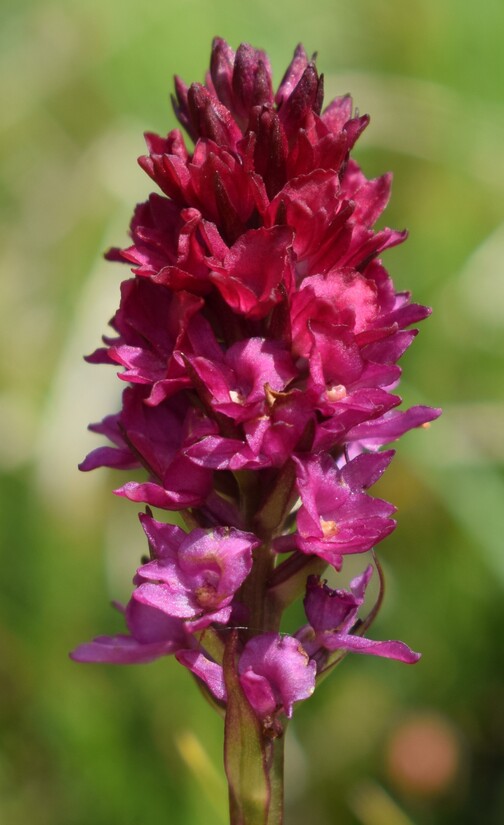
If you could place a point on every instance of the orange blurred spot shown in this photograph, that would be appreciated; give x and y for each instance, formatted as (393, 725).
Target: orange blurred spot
(329, 528)
(424, 755)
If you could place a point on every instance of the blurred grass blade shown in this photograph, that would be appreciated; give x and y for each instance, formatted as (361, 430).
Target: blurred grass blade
(372, 805)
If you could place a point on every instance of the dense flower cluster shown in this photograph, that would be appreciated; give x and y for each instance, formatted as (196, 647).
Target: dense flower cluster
(259, 338)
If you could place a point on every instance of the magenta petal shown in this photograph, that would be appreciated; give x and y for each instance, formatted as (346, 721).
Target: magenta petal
(259, 692)
(338, 112)
(225, 550)
(174, 601)
(370, 196)
(292, 75)
(210, 119)
(121, 650)
(216, 617)
(119, 457)
(194, 576)
(357, 644)
(359, 584)
(283, 662)
(333, 613)
(392, 425)
(250, 276)
(209, 672)
(366, 469)
(225, 454)
(157, 496)
(328, 609)
(148, 625)
(336, 515)
(109, 457)
(164, 539)
(221, 70)
(257, 362)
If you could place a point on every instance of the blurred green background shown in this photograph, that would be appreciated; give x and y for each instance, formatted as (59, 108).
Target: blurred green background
(380, 743)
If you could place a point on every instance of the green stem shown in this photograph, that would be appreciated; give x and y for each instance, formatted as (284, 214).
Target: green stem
(264, 616)
(271, 811)
(254, 746)
(276, 777)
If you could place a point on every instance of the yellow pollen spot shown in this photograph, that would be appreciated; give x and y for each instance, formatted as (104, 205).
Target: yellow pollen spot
(336, 393)
(236, 396)
(329, 528)
(425, 425)
(206, 596)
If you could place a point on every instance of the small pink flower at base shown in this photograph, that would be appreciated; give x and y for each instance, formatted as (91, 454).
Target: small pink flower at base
(333, 613)
(274, 672)
(194, 576)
